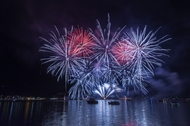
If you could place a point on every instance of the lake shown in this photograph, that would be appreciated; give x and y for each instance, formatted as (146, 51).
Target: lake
(80, 113)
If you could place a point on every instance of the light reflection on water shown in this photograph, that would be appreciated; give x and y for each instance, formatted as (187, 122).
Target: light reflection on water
(79, 113)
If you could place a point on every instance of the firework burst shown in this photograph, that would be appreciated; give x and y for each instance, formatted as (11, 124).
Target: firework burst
(97, 62)
(146, 49)
(145, 52)
(106, 90)
(104, 43)
(122, 52)
(82, 42)
(62, 59)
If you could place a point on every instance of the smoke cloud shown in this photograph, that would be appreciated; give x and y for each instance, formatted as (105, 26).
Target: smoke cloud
(166, 84)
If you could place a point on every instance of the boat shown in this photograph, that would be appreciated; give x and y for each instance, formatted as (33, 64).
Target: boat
(92, 101)
(114, 103)
(175, 103)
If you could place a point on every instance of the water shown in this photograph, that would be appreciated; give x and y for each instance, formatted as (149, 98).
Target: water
(79, 113)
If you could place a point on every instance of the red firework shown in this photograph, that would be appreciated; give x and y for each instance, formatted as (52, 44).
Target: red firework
(122, 52)
(82, 42)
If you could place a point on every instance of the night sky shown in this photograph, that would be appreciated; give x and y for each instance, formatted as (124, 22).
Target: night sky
(22, 22)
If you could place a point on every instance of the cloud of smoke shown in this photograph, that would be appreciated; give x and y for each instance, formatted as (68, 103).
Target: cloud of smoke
(166, 84)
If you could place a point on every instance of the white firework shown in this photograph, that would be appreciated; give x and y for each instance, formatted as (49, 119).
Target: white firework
(101, 61)
(61, 60)
(145, 53)
(107, 89)
(104, 41)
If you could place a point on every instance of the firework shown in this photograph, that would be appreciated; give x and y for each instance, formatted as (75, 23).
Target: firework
(145, 52)
(106, 90)
(132, 80)
(104, 42)
(83, 82)
(80, 89)
(98, 62)
(82, 42)
(122, 51)
(146, 49)
(62, 59)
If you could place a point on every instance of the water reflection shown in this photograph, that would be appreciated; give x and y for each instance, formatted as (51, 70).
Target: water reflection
(79, 113)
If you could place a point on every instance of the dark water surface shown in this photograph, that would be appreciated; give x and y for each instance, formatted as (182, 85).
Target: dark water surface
(79, 113)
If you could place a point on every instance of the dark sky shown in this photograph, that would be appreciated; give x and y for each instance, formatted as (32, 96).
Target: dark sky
(23, 22)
